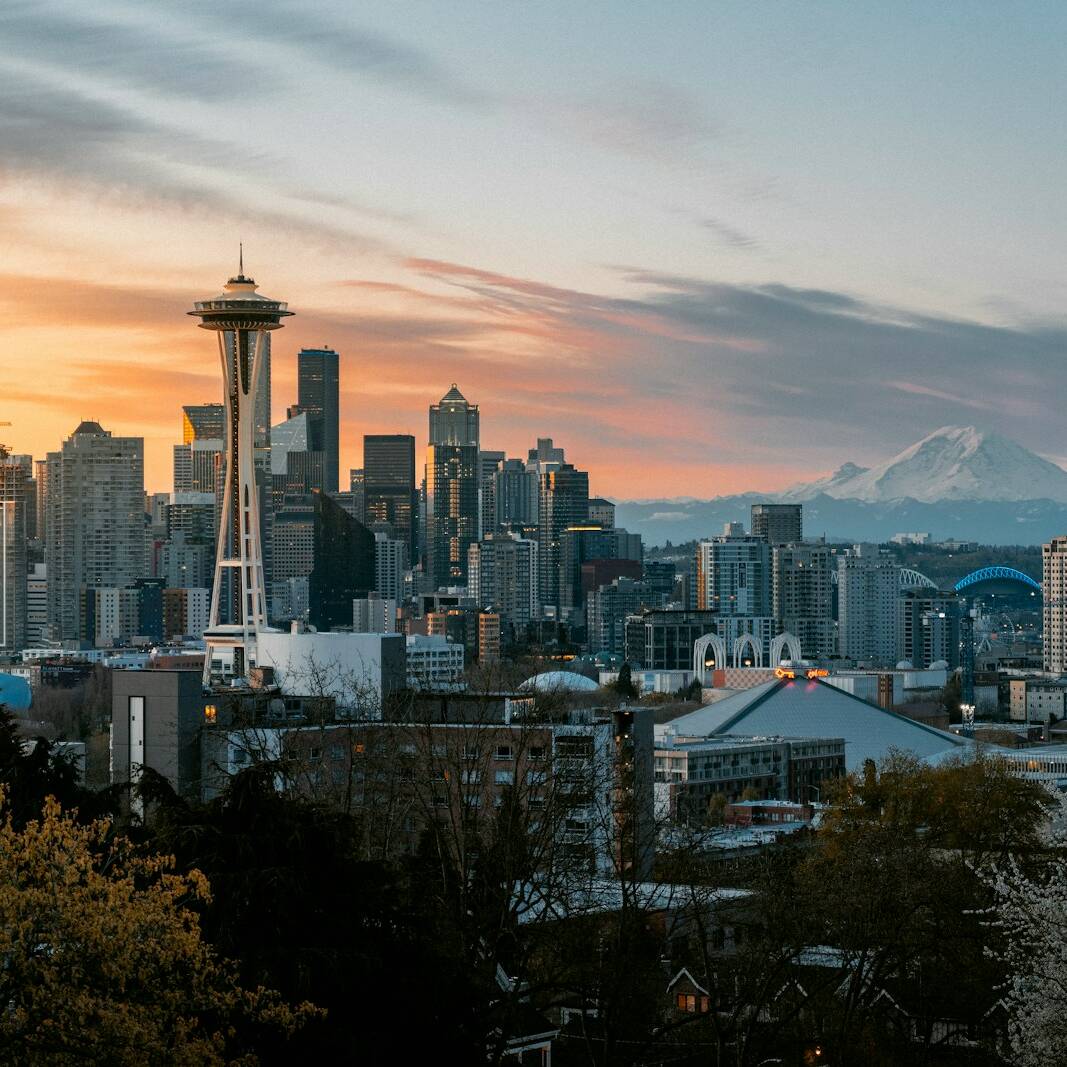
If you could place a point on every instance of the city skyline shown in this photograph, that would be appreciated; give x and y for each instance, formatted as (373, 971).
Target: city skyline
(709, 254)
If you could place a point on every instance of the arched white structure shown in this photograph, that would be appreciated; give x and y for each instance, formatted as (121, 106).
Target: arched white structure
(739, 651)
(910, 579)
(700, 654)
(785, 642)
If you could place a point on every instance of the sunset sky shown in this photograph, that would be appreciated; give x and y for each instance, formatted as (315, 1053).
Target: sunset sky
(707, 247)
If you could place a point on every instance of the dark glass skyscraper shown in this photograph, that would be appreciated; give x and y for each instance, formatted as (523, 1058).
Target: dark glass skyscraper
(317, 397)
(389, 484)
(564, 502)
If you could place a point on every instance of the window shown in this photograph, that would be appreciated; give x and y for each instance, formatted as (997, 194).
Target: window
(537, 753)
(687, 1002)
(472, 777)
(504, 752)
(314, 753)
(504, 777)
(337, 752)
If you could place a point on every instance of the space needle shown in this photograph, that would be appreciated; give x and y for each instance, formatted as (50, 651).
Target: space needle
(241, 318)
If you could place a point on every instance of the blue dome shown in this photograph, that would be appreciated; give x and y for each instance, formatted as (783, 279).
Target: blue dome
(14, 692)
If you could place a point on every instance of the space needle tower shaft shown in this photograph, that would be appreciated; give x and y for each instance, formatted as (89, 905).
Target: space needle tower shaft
(241, 318)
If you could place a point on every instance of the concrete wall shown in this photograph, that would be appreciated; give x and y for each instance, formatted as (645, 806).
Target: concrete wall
(173, 713)
(358, 670)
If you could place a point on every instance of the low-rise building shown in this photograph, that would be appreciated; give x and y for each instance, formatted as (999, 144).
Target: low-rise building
(689, 770)
(433, 662)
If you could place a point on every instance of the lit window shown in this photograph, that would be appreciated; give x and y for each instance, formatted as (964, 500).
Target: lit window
(210, 713)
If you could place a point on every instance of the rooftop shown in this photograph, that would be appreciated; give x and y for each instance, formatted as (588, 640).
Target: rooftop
(810, 708)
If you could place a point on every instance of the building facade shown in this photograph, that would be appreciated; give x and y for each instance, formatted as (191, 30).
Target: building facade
(802, 596)
(777, 524)
(867, 588)
(389, 485)
(1054, 607)
(452, 488)
(96, 522)
(734, 576)
(317, 372)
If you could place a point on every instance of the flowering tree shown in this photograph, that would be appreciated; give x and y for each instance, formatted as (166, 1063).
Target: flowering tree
(1031, 916)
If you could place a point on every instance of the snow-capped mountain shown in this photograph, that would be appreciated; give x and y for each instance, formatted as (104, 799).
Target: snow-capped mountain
(952, 463)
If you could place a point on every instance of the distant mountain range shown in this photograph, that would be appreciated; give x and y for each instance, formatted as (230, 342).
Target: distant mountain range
(956, 482)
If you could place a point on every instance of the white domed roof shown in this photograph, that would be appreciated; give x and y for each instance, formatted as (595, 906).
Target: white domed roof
(560, 682)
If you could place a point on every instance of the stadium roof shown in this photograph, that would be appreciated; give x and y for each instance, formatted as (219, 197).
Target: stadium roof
(811, 708)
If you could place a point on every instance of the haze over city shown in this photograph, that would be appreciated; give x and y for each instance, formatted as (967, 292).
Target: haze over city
(708, 251)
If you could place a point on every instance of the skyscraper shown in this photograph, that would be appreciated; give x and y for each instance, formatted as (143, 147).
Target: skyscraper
(13, 580)
(454, 421)
(343, 570)
(389, 484)
(241, 318)
(778, 524)
(564, 501)
(452, 471)
(95, 521)
(317, 397)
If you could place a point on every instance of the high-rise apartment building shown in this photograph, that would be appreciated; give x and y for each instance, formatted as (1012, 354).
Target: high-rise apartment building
(607, 608)
(318, 397)
(563, 502)
(868, 584)
(489, 464)
(389, 484)
(37, 606)
(928, 627)
(502, 576)
(452, 499)
(95, 521)
(390, 563)
(198, 466)
(802, 595)
(1054, 608)
(13, 537)
(515, 491)
(777, 524)
(602, 512)
(734, 576)
(374, 614)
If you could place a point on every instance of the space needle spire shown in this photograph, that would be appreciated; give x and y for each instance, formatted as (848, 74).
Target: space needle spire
(241, 318)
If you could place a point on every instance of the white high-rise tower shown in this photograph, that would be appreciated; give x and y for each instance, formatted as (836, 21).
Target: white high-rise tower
(242, 318)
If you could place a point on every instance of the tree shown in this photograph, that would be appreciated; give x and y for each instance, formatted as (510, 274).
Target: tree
(624, 684)
(29, 774)
(299, 910)
(1030, 914)
(103, 960)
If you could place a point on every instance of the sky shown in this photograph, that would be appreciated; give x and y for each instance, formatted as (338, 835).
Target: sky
(707, 247)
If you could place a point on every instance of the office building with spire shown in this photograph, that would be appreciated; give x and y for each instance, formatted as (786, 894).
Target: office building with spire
(452, 484)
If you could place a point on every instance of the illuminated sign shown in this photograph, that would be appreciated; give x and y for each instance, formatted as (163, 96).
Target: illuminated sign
(811, 672)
